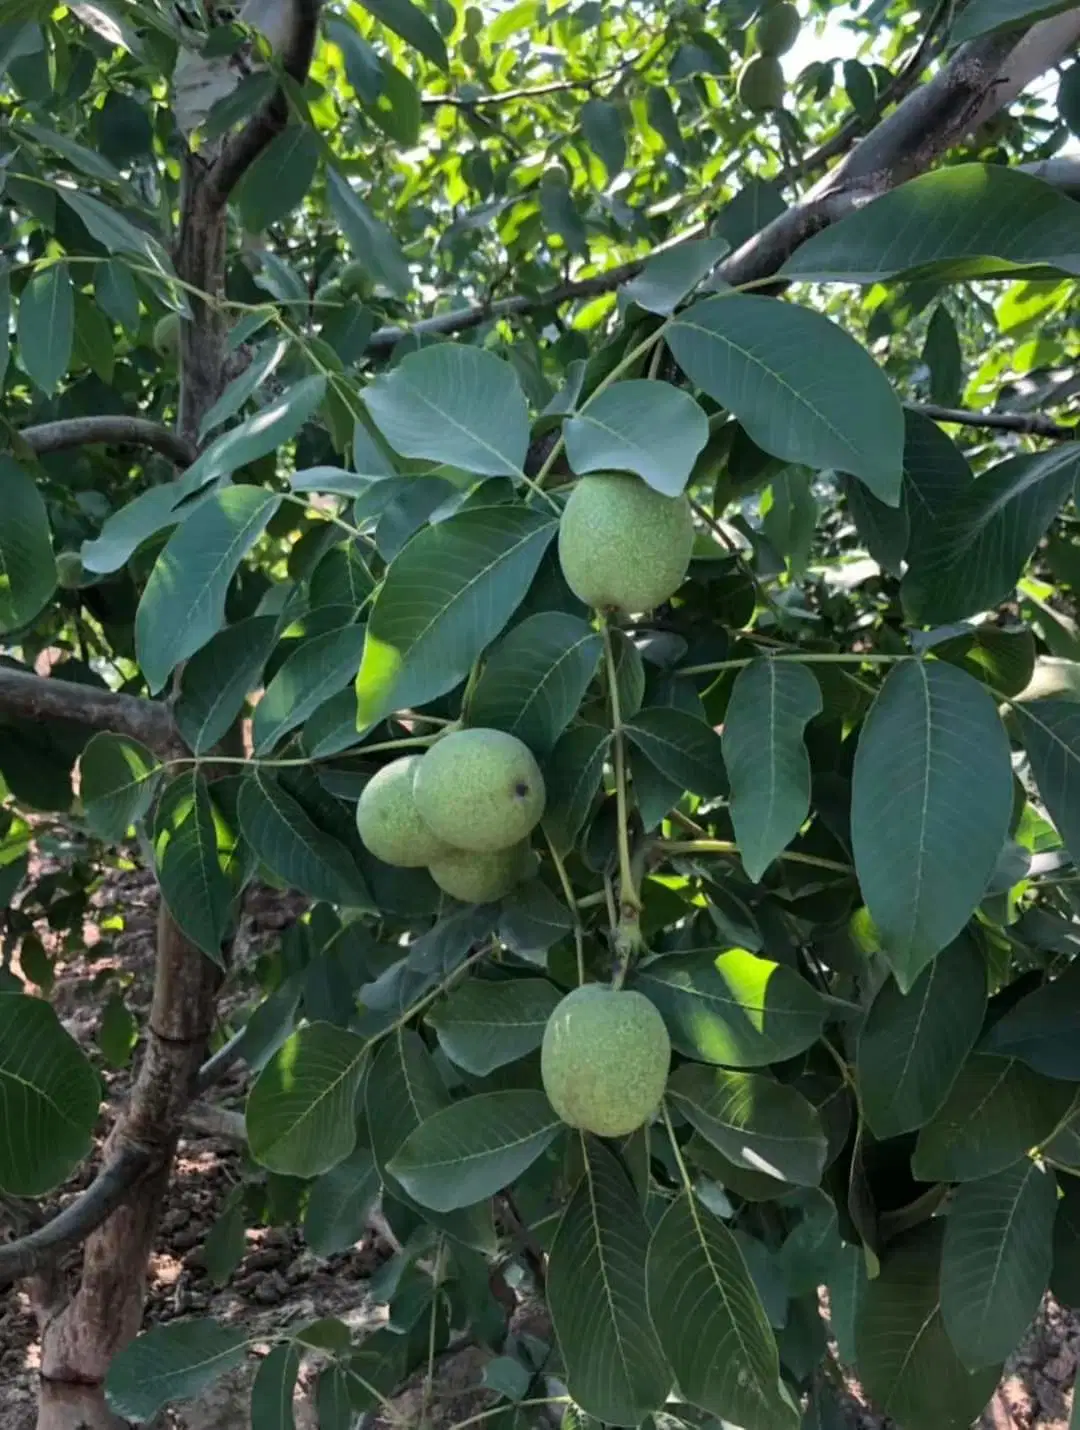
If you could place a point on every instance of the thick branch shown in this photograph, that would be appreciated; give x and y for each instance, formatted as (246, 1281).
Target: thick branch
(115, 431)
(35, 697)
(241, 151)
(1033, 424)
(73, 1225)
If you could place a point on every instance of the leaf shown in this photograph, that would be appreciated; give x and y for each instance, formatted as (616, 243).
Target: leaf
(273, 1386)
(602, 125)
(771, 704)
(119, 235)
(942, 355)
(930, 806)
(885, 530)
(117, 779)
(906, 1361)
(299, 1114)
(976, 551)
(340, 1204)
(960, 222)
(279, 178)
(27, 567)
(802, 389)
(414, 27)
(125, 530)
(368, 236)
(95, 166)
(733, 1008)
(217, 678)
(173, 1362)
(445, 597)
(467, 1152)
(484, 1025)
(284, 837)
(118, 1031)
(183, 604)
(667, 278)
(1041, 1029)
(596, 1288)
(572, 777)
(50, 1096)
(754, 1121)
(323, 665)
(535, 679)
(263, 432)
(46, 326)
(263, 363)
(982, 17)
(710, 1321)
(682, 747)
(1050, 730)
(453, 404)
(193, 884)
(996, 1109)
(995, 1264)
(912, 1046)
(649, 428)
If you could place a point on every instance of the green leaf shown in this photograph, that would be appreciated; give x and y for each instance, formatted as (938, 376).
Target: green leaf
(119, 235)
(982, 17)
(682, 747)
(1003, 659)
(467, 1152)
(183, 604)
(273, 1386)
(483, 1025)
(453, 404)
(446, 596)
(1050, 730)
(173, 1362)
(50, 1096)
(976, 551)
(294, 848)
(996, 1109)
(802, 389)
(125, 530)
(414, 27)
(771, 704)
(217, 678)
(885, 530)
(930, 806)
(258, 435)
(264, 362)
(27, 567)
(118, 777)
(536, 677)
(46, 326)
(906, 1361)
(754, 1121)
(368, 236)
(995, 1264)
(960, 222)
(572, 777)
(1041, 1029)
(912, 1046)
(340, 1204)
(710, 1321)
(116, 294)
(602, 125)
(300, 1112)
(279, 178)
(942, 355)
(193, 884)
(318, 669)
(118, 1031)
(667, 278)
(733, 1008)
(596, 1288)
(649, 428)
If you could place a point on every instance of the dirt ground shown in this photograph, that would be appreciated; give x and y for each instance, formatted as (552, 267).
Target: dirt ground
(278, 1281)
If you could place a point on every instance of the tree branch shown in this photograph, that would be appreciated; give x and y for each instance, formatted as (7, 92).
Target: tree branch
(36, 697)
(241, 151)
(1034, 424)
(74, 1224)
(115, 431)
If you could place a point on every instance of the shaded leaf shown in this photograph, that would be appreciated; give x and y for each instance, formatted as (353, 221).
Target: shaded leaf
(273, 1386)
(262, 432)
(46, 326)
(340, 1204)
(193, 884)
(173, 1362)
(414, 27)
(682, 747)
(1050, 730)
(217, 679)
(572, 776)
(483, 1025)
(299, 1113)
(117, 779)
(649, 428)
(279, 178)
(368, 236)
(318, 669)
(282, 834)
(1043, 1028)
(668, 277)
(27, 567)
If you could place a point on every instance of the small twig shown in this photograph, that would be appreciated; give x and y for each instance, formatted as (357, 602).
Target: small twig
(1033, 424)
(113, 431)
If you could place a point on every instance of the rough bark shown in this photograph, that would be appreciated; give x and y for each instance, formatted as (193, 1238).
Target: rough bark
(113, 431)
(36, 697)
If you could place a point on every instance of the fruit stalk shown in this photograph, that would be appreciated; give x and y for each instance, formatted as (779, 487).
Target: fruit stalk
(627, 931)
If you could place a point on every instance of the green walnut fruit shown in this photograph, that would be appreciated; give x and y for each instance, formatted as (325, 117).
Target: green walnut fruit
(480, 790)
(761, 84)
(604, 1060)
(354, 279)
(777, 30)
(69, 570)
(389, 822)
(167, 335)
(623, 546)
(482, 878)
